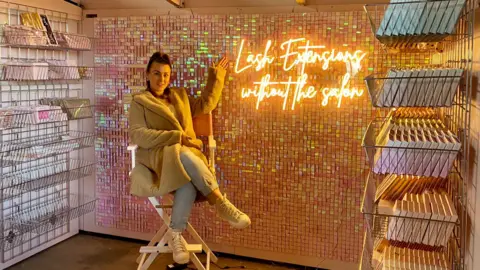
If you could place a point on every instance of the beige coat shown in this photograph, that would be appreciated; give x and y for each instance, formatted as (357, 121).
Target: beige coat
(158, 134)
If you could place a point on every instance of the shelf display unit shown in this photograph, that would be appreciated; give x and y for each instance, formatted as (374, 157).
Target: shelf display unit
(417, 147)
(41, 132)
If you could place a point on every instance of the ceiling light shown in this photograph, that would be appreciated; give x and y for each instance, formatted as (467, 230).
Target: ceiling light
(301, 2)
(177, 3)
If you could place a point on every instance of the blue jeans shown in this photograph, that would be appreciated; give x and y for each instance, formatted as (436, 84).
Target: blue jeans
(201, 180)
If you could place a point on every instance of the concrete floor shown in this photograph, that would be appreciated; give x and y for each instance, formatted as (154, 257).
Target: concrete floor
(91, 252)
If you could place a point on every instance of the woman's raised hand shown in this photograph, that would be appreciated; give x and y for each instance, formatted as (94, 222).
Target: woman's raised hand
(223, 63)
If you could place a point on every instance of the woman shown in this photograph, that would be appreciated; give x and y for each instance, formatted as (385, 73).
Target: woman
(169, 157)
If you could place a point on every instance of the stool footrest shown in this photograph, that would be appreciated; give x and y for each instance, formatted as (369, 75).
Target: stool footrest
(164, 206)
(195, 248)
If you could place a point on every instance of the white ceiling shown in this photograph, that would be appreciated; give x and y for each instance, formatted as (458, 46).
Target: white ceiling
(160, 4)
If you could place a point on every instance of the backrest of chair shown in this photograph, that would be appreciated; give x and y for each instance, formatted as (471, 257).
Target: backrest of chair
(203, 125)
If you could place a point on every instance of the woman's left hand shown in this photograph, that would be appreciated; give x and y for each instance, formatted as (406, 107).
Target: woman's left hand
(223, 63)
(189, 141)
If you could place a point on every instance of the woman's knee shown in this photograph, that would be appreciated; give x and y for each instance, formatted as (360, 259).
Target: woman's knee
(194, 165)
(187, 190)
(187, 157)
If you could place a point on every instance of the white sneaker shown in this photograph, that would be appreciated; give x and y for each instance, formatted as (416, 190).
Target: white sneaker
(179, 248)
(230, 213)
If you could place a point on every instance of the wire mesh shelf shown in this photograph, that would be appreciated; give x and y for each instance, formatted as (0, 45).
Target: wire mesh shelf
(83, 138)
(21, 36)
(415, 25)
(74, 108)
(404, 149)
(377, 247)
(417, 225)
(393, 187)
(377, 253)
(44, 217)
(414, 88)
(43, 176)
(44, 71)
(23, 116)
(32, 148)
(427, 198)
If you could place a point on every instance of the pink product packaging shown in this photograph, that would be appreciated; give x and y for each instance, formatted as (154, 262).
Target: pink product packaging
(58, 69)
(417, 92)
(402, 153)
(385, 89)
(387, 152)
(424, 168)
(448, 146)
(413, 152)
(403, 86)
(77, 42)
(6, 118)
(393, 90)
(436, 153)
(434, 82)
(411, 90)
(24, 35)
(454, 87)
(17, 71)
(45, 114)
(393, 221)
(381, 153)
(419, 162)
(452, 155)
(441, 88)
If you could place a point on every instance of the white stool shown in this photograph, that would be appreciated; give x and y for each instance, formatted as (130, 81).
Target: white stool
(203, 126)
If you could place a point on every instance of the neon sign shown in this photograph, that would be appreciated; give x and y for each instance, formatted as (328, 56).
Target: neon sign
(300, 57)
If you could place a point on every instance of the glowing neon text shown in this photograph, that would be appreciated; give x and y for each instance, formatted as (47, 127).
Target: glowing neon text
(306, 54)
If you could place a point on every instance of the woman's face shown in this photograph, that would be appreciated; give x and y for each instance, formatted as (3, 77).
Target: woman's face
(159, 77)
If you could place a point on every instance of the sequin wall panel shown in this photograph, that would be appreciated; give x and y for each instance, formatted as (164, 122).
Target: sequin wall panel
(298, 173)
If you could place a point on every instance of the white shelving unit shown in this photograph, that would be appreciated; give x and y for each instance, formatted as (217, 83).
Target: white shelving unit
(416, 193)
(42, 157)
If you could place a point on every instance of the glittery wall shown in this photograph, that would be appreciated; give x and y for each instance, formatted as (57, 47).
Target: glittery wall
(298, 173)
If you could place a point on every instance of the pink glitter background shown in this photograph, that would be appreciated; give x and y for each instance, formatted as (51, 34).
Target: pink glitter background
(298, 174)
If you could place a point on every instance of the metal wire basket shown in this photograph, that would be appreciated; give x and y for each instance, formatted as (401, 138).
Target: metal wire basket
(33, 148)
(398, 158)
(414, 88)
(20, 36)
(370, 205)
(44, 71)
(375, 246)
(415, 25)
(43, 218)
(43, 176)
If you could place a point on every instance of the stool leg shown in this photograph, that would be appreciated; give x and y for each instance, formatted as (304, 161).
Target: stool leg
(149, 261)
(157, 238)
(197, 261)
(153, 256)
(197, 237)
(207, 264)
(142, 260)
